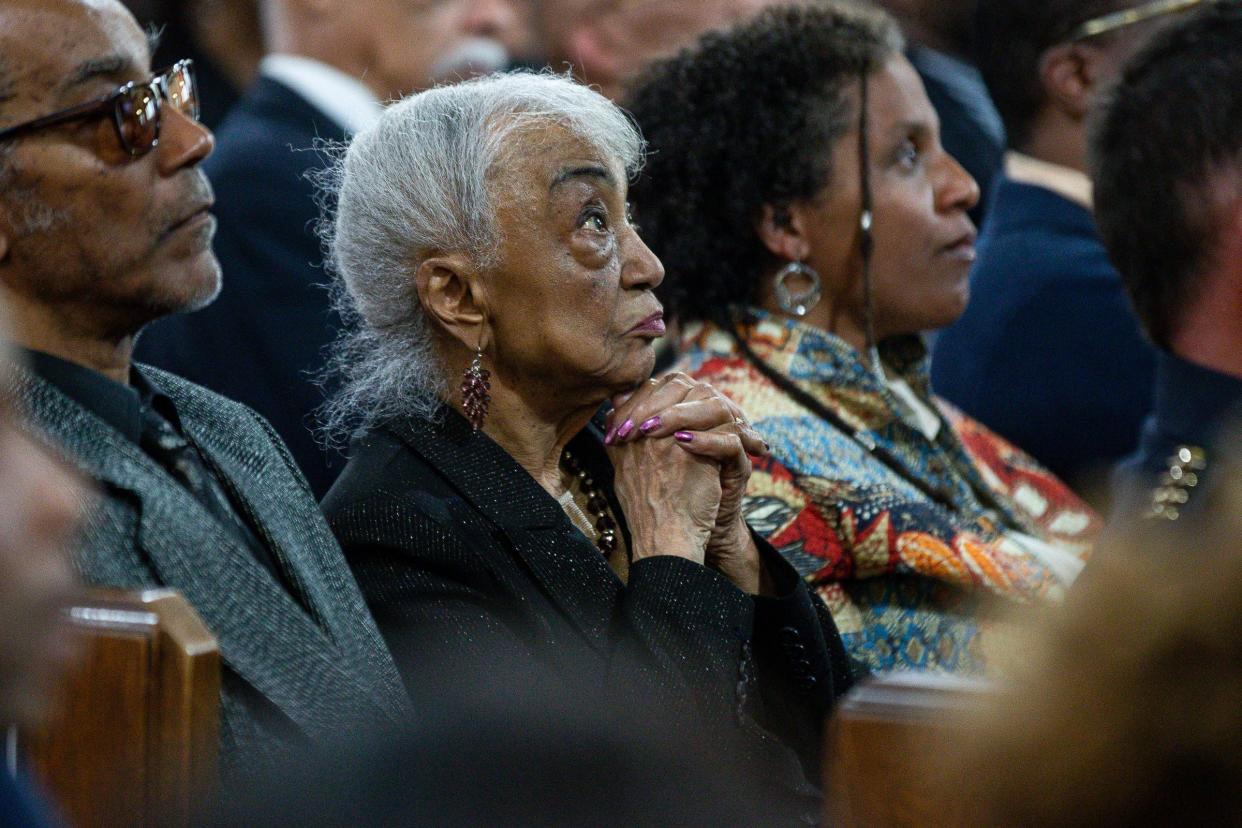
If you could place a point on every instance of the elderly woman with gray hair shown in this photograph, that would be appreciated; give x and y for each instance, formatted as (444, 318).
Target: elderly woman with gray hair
(497, 297)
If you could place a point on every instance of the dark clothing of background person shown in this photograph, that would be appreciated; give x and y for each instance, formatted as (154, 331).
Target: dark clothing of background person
(302, 659)
(458, 550)
(1049, 353)
(970, 128)
(262, 341)
(1193, 426)
(18, 808)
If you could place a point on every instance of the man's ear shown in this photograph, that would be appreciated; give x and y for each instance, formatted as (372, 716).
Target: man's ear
(782, 231)
(451, 291)
(1067, 77)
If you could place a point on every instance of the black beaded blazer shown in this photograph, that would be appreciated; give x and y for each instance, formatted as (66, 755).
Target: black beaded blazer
(459, 551)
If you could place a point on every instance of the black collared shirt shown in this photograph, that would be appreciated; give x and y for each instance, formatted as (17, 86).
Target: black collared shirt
(123, 407)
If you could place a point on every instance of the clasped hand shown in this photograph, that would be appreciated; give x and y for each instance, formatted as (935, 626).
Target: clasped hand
(682, 451)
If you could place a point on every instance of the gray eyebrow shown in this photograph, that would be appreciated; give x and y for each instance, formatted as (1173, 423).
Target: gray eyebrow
(584, 171)
(109, 66)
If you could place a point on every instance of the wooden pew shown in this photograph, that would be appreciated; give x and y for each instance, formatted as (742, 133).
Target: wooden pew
(886, 747)
(134, 734)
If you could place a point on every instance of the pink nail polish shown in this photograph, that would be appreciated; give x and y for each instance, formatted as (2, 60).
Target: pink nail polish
(684, 437)
(625, 429)
(610, 437)
(650, 425)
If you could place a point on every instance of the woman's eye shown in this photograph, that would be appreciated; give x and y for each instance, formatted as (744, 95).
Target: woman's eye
(594, 219)
(908, 155)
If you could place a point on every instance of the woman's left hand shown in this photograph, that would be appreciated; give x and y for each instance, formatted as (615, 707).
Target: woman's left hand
(706, 423)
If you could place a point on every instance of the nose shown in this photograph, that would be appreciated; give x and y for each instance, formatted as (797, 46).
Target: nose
(640, 268)
(958, 189)
(184, 142)
(492, 18)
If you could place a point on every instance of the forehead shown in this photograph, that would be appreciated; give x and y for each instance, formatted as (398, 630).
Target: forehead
(536, 154)
(44, 43)
(898, 96)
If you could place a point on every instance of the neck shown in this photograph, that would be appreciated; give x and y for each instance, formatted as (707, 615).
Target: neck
(534, 434)
(1058, 140)
(1211, 337)
(70, 336)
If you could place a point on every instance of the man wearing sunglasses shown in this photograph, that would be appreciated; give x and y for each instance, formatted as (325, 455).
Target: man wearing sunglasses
(104, 227)
(1049, 353)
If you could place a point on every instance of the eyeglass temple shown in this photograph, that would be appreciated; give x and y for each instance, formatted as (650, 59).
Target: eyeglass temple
(1126, 17)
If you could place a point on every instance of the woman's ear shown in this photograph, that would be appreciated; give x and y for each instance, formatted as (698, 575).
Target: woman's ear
(782, 231)
(451, 291)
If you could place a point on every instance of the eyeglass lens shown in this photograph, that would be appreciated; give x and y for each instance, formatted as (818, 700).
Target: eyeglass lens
(138, 109)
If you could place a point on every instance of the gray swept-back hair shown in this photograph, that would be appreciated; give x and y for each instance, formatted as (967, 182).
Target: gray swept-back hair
(420, 182)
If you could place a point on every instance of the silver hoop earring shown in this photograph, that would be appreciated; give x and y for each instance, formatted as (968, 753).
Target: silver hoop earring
(801, 303)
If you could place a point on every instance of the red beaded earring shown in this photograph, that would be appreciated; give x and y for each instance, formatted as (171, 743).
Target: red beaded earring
(475, 385)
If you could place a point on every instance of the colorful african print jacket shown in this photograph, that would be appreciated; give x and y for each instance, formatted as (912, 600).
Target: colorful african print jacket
(911, 582)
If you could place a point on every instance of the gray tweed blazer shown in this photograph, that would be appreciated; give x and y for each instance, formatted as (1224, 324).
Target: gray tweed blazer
(299, 669)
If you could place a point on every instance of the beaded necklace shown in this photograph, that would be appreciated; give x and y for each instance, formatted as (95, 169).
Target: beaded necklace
(600, 525)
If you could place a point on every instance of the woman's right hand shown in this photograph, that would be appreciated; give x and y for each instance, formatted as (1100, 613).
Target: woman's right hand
(670, 498)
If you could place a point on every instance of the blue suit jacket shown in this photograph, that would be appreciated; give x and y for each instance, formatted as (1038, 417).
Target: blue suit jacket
(262, 340)
(1049, 353)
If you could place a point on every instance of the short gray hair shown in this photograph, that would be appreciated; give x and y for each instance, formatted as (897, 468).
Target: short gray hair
(419, 183)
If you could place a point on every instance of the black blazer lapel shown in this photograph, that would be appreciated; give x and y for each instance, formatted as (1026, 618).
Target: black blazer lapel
(573, 575)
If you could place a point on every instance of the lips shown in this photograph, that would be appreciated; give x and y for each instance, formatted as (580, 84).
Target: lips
(653, 325)
(963, 247)
(202, 210)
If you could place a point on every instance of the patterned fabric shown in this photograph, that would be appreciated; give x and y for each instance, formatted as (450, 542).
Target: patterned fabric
(909, 580)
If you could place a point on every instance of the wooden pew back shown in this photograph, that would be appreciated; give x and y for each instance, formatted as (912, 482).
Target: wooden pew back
(134, 734)
(886, 747)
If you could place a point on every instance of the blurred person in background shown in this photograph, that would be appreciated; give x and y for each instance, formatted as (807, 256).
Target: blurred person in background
(940, 46)
(498, 296)
(222, 37)
(1166, 154)
(1127, 710)
(105, 225)
(810, 233)
(330, 66)
(41, 503)
(1049, 353)
(607, 42)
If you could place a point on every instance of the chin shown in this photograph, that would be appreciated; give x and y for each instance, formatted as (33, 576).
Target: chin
(199, 285)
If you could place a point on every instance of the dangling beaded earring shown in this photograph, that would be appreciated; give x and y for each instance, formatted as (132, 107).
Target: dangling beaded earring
(475, 385)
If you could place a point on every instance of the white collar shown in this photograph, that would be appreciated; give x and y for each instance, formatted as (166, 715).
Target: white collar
(341, 97)
(1066, 182)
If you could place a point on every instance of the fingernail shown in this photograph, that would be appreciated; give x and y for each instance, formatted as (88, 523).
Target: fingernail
(684, 437)
(650, 425)
(625, 429)
(611, 437)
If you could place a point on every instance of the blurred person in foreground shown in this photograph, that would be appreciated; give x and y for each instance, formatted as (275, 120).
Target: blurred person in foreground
(329, 68)
(508, 751)
(498, 296)
(1128, 709)
(1166, 155)
(40, 506)
(104, 227)
(940, 46)
(607, 42)
(1049, 353)
(810, 232)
